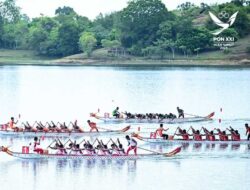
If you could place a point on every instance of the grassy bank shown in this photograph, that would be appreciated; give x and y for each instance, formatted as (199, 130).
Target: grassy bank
(236, 55)
(22, 57)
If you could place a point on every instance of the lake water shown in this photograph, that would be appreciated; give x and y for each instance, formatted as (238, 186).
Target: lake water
(42, 93)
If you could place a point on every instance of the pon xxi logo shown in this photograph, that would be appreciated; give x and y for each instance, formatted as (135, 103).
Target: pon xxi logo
(223, 25)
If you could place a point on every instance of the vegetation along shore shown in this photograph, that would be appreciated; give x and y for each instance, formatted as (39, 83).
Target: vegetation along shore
(145, 32)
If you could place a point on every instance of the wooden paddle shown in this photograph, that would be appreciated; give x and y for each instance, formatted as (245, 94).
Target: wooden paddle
(169, 154)
(122, 130)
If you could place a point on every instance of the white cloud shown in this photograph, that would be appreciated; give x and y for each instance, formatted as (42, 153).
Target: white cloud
(89, 8)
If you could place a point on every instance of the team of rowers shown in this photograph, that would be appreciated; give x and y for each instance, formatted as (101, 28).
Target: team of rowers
(49, 126)
(197, 135)
(86, 148)
(159, 116)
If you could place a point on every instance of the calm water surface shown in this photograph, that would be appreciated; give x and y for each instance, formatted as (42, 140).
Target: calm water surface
(67, 93)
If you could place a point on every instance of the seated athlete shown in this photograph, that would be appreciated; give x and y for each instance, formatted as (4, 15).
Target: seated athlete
(36, 144)
(12, 124)
(235, 136)
(222, 135)
(196, 134)
(116, 112)
(160, 133)
(183, 133)
(76, 127)
(209, 134)
(92, 126)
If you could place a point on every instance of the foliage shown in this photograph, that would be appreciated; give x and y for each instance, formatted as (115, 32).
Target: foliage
(143, 28)
(87, 42)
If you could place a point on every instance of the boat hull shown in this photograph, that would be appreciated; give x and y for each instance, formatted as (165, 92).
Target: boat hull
(167, 121)
(56, 134)
(164, 141)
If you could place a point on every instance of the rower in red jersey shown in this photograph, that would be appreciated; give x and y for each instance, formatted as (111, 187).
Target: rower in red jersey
(222, 135)
(247, 131)
(209, 134)
(160, 133)
(183, 133)
(92, 126)
(234, 134)
(196, 134)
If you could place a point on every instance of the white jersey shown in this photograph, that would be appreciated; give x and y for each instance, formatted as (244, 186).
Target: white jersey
(132, 142)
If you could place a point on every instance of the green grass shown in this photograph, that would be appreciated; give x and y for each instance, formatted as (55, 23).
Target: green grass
(21, 56)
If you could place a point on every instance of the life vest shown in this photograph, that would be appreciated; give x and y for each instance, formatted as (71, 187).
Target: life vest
(221, 136)
(132, 142)
(236, 137)
(225, 137)
(197, 137)
(159, 132)
(211, 137)
(185, 137)
(92, 125)
(11, 124)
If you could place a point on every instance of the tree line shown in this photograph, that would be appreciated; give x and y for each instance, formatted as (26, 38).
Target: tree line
(143, 28)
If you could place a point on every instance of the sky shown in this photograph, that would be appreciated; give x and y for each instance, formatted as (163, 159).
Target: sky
(89, 8)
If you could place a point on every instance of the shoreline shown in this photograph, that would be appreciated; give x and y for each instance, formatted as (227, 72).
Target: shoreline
(131, 62)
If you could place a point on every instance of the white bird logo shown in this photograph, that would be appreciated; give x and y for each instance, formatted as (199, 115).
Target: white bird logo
(222, 24)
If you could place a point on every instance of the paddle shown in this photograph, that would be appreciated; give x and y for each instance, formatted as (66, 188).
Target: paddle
(122, 130)
(169, 154)
(175, 132)
(209, 116)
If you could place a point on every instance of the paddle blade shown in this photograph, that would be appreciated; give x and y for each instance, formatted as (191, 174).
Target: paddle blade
(136, 136)
(174, 152)
(92, 115)
(3, 149)
(126, 129)
(211, 115)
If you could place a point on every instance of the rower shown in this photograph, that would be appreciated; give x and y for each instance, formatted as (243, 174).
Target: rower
(234, 134)
(115, 149)
(40, 126)
(64, 127)
(92, 126)
(180, 112)
(51, 127)
(35, 146)
(160, 130)
(116, 112)
(222, 135)
(132, 145)
(27, 126)
(76, 149)
(59, 147)
(209, 135)
(247, 131)
(120, 147)
(76, 127)
(183, 133)
(196, 134)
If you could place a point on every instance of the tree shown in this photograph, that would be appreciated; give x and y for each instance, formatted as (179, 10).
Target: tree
(65, 11)
(87, 42)
(140, 21)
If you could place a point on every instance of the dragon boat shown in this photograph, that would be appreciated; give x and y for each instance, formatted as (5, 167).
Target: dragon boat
(107, 119)
(47, 156)
(191, 141)
(23, 133)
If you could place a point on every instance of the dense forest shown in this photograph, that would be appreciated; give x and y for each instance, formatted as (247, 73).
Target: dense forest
(143, 28)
